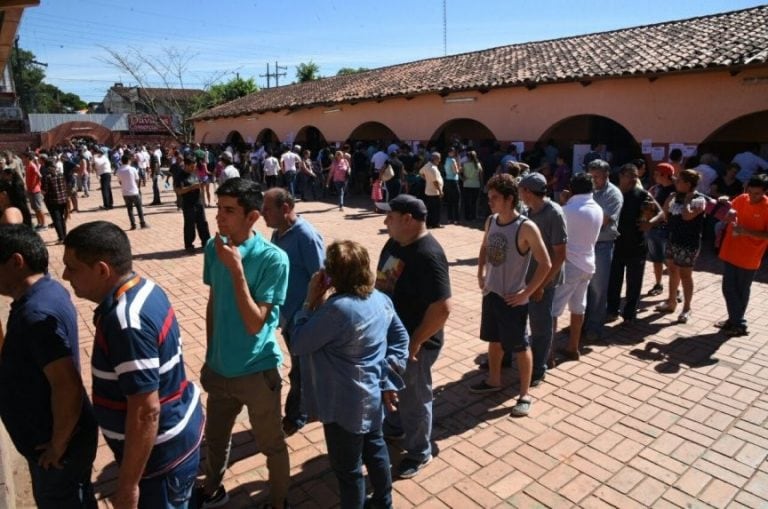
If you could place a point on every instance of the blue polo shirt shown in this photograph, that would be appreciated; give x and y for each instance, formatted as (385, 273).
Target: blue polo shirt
(232, 351)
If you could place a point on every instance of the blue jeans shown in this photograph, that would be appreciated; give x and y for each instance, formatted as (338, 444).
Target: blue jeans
(294, 412)
(341, 187)
(347, 452)
(290, 182)
(174, 490)
(737, 283)
(68, 487)
(540, 317)
(414, 413)
(597, 295)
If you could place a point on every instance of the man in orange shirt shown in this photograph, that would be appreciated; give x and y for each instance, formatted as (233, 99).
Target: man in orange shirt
(744, 243)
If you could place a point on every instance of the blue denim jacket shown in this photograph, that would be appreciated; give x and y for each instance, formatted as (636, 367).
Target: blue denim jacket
(351, 350)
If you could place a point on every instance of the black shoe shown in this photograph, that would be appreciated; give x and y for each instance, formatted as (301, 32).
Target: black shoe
(217, 499)
(506, 362)
(409, 467)
(144, 225)
(133, 227)
(734, 331)
(536, 381)
(484, 388)
(290, 428)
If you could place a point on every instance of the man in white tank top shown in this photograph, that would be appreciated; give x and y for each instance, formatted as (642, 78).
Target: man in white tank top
(508, 245)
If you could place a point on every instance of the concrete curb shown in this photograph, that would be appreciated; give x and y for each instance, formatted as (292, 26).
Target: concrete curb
(7, 485)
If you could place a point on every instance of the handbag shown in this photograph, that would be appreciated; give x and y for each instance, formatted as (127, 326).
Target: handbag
(387, 173)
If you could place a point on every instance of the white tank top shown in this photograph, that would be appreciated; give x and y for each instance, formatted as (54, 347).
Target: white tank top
(505, 267)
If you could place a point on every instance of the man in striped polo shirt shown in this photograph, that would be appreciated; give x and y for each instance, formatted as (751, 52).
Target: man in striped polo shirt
(148, 411)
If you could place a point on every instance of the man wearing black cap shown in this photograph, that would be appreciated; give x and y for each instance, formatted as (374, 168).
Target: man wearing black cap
(413, 271)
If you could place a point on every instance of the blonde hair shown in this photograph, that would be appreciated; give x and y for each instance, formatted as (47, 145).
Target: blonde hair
(349, 267)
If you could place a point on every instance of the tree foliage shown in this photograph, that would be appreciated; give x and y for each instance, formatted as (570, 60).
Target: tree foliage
(36, 96)
(229, 91)
(307, 71)
(346, 71)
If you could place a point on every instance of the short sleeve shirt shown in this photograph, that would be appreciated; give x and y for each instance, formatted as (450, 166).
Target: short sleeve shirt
(745, 251)
(414, 276)
(551, 223)
(232, 351)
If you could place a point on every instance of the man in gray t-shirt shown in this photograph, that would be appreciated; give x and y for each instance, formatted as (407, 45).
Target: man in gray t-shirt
(548, 216)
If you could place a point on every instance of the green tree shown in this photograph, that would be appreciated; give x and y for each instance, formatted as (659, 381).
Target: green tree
(346, 71)
(36, 96)
(307, 71)
(229, 91)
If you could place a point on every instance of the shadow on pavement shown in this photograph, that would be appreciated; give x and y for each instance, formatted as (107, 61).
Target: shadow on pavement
(693, 351)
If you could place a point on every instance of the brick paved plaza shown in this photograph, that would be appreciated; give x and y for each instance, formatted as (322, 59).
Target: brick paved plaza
(662, 415)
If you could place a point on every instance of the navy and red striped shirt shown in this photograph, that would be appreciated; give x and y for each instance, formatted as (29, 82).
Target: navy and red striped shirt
(137, 349)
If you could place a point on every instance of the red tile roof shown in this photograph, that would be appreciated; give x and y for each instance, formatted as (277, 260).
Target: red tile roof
(728, 40)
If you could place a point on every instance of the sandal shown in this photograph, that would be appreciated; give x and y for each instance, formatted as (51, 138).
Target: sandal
(665, 308)
(657, 289)
(684, 317)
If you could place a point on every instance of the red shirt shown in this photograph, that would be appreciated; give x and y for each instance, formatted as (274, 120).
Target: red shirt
(745, 251)
(33, 178)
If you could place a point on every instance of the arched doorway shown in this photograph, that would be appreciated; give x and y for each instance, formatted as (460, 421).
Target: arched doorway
(310, 137)
(268, 138)
(235, 139)
(586, 129)
(372, 131)
(78, 129)
(744, 133)
(461, 131)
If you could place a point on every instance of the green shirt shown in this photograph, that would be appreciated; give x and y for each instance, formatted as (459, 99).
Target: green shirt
(232, 351)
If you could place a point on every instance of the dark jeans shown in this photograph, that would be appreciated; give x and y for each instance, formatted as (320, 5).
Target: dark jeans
(540, 318)
(156, 187)
(634, 269)
(134, 201)
(57, 211)
(394, 187)
(452, 193)
(194, 218)
(174, 490)
(294, 412)
(434, 206)
(70, 486)
(737, 283)
(469, 197)
(106, 190)
(347, 452)
(289, 178)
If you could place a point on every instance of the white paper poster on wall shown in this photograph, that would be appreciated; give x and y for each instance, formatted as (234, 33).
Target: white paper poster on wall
(690, 150)
(520, 146)
(579, 151)
(658, 153)
(646, 146)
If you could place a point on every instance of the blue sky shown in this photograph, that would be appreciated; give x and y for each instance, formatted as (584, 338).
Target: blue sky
(238, 36)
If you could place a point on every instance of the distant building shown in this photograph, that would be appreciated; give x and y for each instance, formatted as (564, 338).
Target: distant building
(162, 101)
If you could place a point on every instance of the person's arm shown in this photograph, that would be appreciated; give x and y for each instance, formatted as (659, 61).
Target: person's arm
(394, 363)
(531, 238)
(209, 318)
(481, 257)
(254, 314)
(612, 208)
(434, 320)
(66, 403)
(557, 260)
(141, 425)
(691, 210)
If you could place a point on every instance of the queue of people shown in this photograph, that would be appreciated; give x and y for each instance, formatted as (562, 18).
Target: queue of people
(362, 345)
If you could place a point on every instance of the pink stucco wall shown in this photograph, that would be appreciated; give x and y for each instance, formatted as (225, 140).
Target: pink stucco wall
(673, 108)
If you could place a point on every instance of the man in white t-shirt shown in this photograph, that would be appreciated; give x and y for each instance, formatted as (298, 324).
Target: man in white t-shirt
(749, 163)
(229, 170)
(104, 171)
(142, 163)
(271, 170)
(129, 184)
(289, 164)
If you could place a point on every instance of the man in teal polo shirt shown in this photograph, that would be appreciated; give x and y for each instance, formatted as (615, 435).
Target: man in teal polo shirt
(248, 278)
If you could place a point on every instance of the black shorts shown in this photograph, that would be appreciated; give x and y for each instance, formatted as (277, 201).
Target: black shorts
(500, 323)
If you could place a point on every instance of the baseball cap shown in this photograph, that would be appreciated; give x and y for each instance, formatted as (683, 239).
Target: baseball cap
(226, 156)
(534, 182)
(665, 169)
(405, 204)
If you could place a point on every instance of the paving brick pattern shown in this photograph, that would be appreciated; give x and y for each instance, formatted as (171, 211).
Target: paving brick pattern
(661, 415)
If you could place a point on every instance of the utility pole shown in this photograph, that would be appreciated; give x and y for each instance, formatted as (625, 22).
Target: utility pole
(275, 74)
(279, 68)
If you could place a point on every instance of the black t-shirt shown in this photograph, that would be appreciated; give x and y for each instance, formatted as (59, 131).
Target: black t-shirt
(414, 276)
(42, 328)
(185, 179)
(631, 242)
(731, 190)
